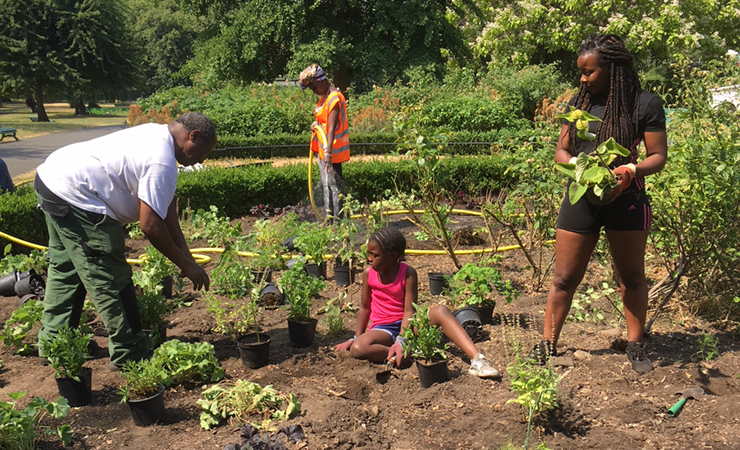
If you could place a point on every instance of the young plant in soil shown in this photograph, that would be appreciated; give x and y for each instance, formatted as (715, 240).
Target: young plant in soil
(243, 400)
(423, 340)
(20, 428)
(590, 171)
(67, 352)
(22, 263)
(345, 231)
(314, 240)
(155, 267)
(153, 310)
(475, 285)
(231, 277)
(185, 362)
(299, 288)
(334, 322)
(535, 387)
(143, 379)
(19, 324)
(209, 225)
(426, 168)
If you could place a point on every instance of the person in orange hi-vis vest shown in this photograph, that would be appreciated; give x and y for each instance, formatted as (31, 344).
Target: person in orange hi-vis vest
(331, 115)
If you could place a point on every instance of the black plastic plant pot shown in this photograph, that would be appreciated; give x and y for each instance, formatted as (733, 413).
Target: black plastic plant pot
(155, 340)
(32, 284)
(317, 270)
(301, 333)
(167, 286)
(270, 295)
(7, 284)
(149, 410)
(438, 282)
(343, 275)
(432, 373)
(470, 320)
(261, 275)
(77, 393)
(485, 312)
(254, 354)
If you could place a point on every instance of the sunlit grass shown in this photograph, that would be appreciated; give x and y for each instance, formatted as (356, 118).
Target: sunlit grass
(16, 115)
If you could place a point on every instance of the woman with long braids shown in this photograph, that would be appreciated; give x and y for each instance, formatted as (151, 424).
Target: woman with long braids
(610, 90)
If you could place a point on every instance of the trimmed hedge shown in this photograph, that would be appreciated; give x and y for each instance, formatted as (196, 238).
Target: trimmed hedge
(20, 218)
(236, 190)
(465, 143)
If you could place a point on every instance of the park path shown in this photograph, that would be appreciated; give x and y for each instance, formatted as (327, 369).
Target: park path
(25, 155)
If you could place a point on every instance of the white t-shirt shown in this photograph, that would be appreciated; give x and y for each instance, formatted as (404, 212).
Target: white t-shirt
(111, 174)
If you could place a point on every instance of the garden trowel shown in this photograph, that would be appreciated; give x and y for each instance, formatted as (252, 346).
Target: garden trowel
(695, 393)
(382, 376)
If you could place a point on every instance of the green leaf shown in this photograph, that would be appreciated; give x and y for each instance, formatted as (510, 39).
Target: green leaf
(567, 169)
(586, 135)
(59, 408)
(612, 147)
(17, 395)
(65, 434)
(575, 192)
(582, 163)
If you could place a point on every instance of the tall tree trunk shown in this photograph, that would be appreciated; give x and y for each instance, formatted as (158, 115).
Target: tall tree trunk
(40, 104)
(80, 109)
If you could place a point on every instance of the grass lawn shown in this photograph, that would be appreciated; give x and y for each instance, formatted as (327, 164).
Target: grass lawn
(15, 115)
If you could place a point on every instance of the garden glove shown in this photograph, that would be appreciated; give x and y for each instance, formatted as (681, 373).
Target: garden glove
(627, 173)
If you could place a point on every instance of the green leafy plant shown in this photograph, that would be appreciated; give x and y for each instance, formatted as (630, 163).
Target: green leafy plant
(345, 231)
(535, 387)
(314, 240)
(67, 352)
(156, 266)
(19, 429)
(334, 322)
(134, 230)
(186, 362)
(209, 225)
(19, 324)
(475, 285)
(583, 311)
(591, 171)
(707, 347)
(424, 147)
(299, 287)
(423, 340)
(143, 379)
(231, 276)
(21, 263)
(243, 400)
(232, 318)
(153, 308)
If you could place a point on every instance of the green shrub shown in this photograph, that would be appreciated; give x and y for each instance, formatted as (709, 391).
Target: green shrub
(20, 218)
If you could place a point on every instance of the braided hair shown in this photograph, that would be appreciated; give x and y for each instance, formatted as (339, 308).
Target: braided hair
(623, 103)
(390, 240)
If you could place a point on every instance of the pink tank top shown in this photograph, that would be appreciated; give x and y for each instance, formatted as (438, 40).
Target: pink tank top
(387, 300)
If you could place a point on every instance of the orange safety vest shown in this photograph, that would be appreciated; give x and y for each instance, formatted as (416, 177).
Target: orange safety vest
(340, 147)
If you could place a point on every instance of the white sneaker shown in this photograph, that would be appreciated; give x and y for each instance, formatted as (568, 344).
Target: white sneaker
(481, 367)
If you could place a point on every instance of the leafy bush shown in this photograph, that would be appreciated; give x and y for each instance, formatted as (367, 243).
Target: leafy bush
(19, 429)
(188, 362)
(143, 379)
(35, 260)
(299, 287)
(473, 284)
(19, 324)
(423, 340)
(67, 351)
(20, 218)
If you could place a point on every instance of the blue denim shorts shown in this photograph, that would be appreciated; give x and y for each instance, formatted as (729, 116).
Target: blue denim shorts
(394, 328)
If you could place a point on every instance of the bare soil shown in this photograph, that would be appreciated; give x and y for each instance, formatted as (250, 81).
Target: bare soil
(602, 403)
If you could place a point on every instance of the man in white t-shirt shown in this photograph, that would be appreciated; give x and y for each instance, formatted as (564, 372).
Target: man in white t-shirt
(88, 191)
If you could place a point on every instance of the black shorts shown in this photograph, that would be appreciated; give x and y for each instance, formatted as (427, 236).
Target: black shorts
(629, 212)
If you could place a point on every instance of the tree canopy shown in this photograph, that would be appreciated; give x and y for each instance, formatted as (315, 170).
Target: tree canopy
(81, 48)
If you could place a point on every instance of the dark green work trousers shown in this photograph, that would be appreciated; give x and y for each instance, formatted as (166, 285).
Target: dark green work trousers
(87, 253)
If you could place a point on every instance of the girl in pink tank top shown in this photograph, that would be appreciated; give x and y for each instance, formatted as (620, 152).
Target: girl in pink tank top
(389, 291)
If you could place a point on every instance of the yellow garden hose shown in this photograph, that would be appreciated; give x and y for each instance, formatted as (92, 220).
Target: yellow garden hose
(322, 140)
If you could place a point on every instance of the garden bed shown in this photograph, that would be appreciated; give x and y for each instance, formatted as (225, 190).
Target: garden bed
(602, 403)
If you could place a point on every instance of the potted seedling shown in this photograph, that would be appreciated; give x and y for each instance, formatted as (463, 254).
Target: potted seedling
(254, 347)
(344, 245)
(299, 288)
(424, 343)
(67, 352)
(590, 174)
(476, 285)
(159, 270)
(152, 313)
(143, 390)
(314, 240)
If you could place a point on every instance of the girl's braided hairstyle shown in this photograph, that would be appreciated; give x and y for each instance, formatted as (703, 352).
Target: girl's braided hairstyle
(623, 103)
(390, 240)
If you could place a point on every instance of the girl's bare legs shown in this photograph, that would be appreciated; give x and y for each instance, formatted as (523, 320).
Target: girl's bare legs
(572, 253)
(441, 316)
(372, 345)
(628, 251)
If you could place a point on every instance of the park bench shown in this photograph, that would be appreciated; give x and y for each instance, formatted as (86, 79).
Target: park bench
(7, 132)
